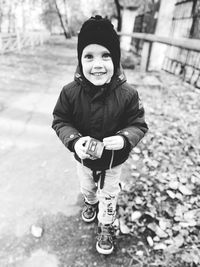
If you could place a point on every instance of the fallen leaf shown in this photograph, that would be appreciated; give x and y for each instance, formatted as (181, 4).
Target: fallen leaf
(191, 214)
(174, 185)
(124, 228)
(184, 190)
(150, 241)
(36, 231)
(140, 253)
(171, 194)
(135, 174)
(160, 246)
(188, 224)
(135, 157)
(138, 200)
(135, 215)
(178, 241)
(179, 196)
(164, 223)
(191, 257)
(133, 167)
(137, 150)
(158, 231)
(156, 238)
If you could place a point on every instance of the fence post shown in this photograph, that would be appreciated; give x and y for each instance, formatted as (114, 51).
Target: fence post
(1, 45)
(145, 56)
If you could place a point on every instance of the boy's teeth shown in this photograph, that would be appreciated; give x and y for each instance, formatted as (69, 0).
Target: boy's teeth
(98, 73)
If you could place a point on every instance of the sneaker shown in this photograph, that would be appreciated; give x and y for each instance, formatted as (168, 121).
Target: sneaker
(104, 244)
(89, 212)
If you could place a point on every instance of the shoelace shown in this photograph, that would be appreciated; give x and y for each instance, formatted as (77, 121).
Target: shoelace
(107, 232)
(89, 207)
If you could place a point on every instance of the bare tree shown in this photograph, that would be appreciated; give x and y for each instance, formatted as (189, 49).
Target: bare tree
(63, 22)
(54, 11)
(119, 17)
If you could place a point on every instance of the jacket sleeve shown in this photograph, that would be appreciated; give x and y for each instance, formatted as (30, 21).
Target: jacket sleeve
(63, 123)
(136, 126)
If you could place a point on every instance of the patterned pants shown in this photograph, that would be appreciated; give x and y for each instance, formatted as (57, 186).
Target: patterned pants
(107, 196)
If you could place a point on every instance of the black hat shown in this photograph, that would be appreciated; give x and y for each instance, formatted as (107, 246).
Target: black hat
(98, 30)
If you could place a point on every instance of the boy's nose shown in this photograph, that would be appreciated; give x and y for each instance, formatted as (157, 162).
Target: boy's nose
(98, 63)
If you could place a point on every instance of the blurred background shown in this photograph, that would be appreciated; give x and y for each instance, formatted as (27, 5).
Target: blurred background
(159, 206)
(29, 22)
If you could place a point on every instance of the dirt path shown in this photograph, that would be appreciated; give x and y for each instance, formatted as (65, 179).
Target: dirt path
(36, 170)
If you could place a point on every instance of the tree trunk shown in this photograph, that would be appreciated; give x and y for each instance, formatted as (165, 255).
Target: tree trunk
(66, 19)
(65, 31)
(119, 17)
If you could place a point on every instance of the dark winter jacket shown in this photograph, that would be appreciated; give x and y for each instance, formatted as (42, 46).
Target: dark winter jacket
(84, 110)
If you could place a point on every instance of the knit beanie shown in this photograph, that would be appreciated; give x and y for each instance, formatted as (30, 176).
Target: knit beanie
(98, 30)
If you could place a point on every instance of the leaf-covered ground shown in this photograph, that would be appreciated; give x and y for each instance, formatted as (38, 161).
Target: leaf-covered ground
(160, 200)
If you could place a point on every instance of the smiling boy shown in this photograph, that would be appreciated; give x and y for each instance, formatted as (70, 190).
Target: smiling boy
(99, 104)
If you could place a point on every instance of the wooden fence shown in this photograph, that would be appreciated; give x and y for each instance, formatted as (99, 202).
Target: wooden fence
(17, 41)
(190, 69)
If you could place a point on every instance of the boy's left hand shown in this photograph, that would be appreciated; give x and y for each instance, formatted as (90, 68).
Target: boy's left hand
(115, 142)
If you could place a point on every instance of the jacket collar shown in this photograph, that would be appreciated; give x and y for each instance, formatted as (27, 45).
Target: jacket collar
(117, 79)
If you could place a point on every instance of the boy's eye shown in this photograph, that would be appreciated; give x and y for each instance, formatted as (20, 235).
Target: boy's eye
(88, 56)
(106, 55)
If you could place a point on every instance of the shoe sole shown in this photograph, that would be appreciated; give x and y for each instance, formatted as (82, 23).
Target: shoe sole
(103, 251)
(89, 220)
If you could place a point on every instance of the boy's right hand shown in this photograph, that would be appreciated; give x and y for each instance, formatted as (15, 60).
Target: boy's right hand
(80, 147)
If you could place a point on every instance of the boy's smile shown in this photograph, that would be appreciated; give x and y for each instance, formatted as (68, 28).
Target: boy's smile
(97, 64)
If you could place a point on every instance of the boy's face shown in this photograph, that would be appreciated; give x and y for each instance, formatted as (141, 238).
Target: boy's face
(97, 64)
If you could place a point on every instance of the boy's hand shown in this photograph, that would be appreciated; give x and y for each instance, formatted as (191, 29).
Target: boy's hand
(80, 148)
(115, 142)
